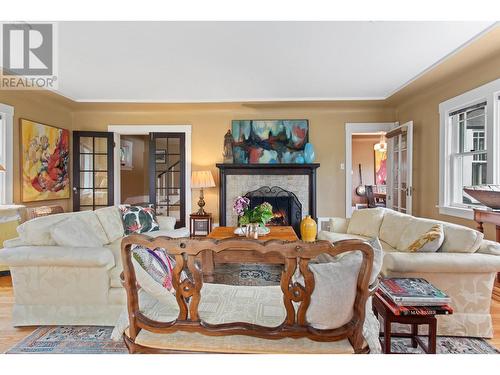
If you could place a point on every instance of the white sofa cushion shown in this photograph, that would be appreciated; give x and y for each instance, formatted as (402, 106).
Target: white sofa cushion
(392, 227)
(73, 232)
(413, 231)
(403, 262)
(366, 222)
(460, 239)
(338, 224)
(428, 242)
(57, 256)
(166, 222)
(37, 231)
(111, 221)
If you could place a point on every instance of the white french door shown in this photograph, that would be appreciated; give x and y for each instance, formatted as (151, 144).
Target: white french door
(399, 172)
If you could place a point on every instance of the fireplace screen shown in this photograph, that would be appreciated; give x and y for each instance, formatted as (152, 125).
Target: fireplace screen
(287, 208)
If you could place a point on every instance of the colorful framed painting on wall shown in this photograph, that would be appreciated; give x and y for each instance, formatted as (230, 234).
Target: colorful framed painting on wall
(380, 163)
(269, 141)
(44, 162)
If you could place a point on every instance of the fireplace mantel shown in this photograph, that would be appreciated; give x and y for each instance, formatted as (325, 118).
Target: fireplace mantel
(266, 169)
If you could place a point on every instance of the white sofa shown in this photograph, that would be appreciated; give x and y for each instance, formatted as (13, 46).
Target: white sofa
(71, 284)
(465, 266)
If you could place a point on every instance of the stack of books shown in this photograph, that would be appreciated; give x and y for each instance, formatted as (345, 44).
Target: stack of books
(413, 296)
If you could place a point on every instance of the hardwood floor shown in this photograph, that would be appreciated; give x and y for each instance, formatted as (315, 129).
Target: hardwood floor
(9, 335)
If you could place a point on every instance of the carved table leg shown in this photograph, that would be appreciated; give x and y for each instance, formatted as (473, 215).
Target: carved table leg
(387, 335)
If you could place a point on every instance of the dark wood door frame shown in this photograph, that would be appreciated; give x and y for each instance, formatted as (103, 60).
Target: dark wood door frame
(76, 166)
(152, 170)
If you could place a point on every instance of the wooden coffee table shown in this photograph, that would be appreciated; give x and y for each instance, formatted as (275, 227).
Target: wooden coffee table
(284, 233)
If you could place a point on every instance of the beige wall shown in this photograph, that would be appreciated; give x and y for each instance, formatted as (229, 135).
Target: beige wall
(44, 107)
(472, 67)
(211, 121)
(363, 153)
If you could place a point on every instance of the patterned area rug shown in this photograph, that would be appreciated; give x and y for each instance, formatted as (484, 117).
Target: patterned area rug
(97, 340)
(248, 274)
(446, 345)
(69, 340)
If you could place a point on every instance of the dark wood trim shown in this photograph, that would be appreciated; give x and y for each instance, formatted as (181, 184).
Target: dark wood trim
(266, 169)
(295, 254)
(4, 273)
(76, 165)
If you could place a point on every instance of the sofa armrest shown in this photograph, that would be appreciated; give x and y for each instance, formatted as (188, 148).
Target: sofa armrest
(15, 242)
(441, 262)
(57, 256)
(489, 247)
(174, 233)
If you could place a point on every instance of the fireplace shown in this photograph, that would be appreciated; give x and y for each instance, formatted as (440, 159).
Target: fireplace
(287, 208)
(240, 179)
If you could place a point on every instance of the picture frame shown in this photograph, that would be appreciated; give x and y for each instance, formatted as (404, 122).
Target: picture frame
(126, 152)
(161, 156)
(44, 161)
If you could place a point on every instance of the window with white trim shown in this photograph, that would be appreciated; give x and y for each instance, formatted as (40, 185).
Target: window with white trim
(469, 147)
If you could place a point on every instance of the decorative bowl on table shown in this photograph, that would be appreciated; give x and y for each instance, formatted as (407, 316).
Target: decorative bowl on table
(262, 231)
(487, 195)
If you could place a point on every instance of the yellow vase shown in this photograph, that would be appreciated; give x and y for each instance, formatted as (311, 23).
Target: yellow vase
(308, 229)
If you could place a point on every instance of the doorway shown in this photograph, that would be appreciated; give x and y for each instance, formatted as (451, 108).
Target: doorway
(161, 173)
(361, 163)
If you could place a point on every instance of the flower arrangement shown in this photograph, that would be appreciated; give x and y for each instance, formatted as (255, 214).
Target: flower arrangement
(258, 215)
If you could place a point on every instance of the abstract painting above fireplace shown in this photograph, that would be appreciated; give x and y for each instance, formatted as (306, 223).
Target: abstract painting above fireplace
(269, 141)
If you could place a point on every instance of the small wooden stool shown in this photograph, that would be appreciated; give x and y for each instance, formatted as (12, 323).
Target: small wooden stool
(379, 308)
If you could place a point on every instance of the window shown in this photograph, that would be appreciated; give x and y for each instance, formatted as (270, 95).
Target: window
(469, 147)
(6, 143)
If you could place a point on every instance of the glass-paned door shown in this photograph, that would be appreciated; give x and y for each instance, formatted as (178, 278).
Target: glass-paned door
(92, 170)
(167, 187)
(399, 176)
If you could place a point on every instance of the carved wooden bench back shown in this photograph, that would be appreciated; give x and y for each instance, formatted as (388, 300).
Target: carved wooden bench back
(295, 254)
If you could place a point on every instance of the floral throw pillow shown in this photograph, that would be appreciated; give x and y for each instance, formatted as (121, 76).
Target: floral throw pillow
(158, 264)
(137, 219)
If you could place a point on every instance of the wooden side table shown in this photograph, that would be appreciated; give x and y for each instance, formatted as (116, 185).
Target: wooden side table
(379, 308)
(492, 217)
(207, 219)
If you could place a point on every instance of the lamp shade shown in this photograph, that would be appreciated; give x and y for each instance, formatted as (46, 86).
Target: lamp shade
(202, 179)
(2, 168)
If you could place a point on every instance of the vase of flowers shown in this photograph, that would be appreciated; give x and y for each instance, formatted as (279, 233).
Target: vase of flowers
(252, 218)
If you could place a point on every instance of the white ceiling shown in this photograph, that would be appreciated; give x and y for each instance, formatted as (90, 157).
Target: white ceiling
(250, 61)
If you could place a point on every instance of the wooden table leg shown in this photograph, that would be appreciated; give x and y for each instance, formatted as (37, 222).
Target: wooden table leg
(432, 336)
(387, 335)
(414, 333)
(207, 261)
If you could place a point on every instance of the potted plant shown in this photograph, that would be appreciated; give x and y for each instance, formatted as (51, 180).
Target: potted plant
(251, 218)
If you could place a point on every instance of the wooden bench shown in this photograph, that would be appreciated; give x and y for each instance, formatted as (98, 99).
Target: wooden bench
(296, 255)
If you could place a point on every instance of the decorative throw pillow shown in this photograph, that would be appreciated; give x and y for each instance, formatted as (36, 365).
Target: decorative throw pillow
(74, 232)
(378, 255)
(137, 219)
(158, 264)
(428, 242)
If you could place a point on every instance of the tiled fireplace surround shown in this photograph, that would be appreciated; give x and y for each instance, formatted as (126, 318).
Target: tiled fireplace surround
(237, 180)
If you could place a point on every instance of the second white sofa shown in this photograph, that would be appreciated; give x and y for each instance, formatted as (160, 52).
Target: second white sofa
(465, 265)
